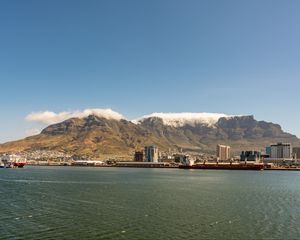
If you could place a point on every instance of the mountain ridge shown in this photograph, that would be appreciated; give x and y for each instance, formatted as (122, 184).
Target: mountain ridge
(98, 137)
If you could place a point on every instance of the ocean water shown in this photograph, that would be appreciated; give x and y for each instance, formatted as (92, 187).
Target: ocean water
(125, 203)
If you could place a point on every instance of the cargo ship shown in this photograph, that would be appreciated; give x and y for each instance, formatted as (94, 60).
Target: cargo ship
(4, 164)
(12, 161)
(18, 164)
(225, 166)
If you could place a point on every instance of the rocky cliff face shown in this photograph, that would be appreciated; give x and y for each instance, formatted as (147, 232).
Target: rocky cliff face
(100, 137)
(242, 132)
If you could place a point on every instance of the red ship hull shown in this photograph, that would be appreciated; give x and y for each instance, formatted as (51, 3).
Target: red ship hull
(18, 164)
(226, 166)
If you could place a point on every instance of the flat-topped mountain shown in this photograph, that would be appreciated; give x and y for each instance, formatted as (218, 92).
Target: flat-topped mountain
(103, 138)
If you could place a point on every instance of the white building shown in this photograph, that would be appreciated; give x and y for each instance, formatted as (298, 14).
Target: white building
(223, 152)
(88, 163)
(281, 150)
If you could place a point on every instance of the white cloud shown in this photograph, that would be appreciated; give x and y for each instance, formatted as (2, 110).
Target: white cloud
(170, 119)
(181, 119)
(48, 117)
(32, 132)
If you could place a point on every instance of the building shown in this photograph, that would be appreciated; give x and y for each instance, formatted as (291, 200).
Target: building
(281, 150)
(167, 158)
(250, 156)
(296, 152)
(281, 161)
(183, 159)
(151, 154)
(12, 158)
(223, 152)
(91, 163)
(139, 156)
(268, 151)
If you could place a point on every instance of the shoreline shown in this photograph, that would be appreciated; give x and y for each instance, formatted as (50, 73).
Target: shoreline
(160, 167)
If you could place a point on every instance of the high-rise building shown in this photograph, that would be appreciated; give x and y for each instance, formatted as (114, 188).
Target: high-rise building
(151, 154)
(223, 152)
(139, 156)
(281, 150)
(296, 152)
(250, 156)
(268, 150)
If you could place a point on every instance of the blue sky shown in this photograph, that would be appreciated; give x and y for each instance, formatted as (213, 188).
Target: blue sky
(138, 57)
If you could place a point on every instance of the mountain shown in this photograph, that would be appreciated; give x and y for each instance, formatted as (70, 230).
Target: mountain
(240, 132)
(99, 137)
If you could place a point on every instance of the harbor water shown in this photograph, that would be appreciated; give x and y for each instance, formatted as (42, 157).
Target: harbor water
(128, 203)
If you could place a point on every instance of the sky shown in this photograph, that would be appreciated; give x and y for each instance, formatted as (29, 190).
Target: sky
(137, 57)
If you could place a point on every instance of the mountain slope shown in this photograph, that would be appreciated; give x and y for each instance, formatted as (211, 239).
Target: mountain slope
(109, 138)
(240, 132)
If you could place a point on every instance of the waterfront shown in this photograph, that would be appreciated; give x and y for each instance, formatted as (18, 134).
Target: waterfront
(129, 203)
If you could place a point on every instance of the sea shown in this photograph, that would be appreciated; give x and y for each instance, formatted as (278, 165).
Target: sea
(138, 203)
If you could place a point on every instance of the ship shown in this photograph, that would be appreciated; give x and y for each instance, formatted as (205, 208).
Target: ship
(18, 164)
(225, 166)
(12, 161)
(12, 164)
(4, 163)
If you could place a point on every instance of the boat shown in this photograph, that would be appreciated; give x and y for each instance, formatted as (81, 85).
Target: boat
(17, 161)
(4, 164)
(12, 161)
(18, 164)
(225, 166)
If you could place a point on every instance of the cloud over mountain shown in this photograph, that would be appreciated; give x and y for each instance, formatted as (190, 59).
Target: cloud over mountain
(169, 119)
(182, 119)
(32, 132)
(48, 117)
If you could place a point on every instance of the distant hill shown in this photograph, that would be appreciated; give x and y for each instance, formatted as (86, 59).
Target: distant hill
(98, 137)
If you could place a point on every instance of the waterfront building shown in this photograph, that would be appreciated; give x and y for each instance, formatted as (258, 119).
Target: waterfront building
(139, 156)
(281, 150)
(183, 159)
(92, 163)
(223, 152)
(296, 152)
(178, 158)
(268, 150)
(167, 158)
(281, 161)
(250, 156)
(151, 154)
